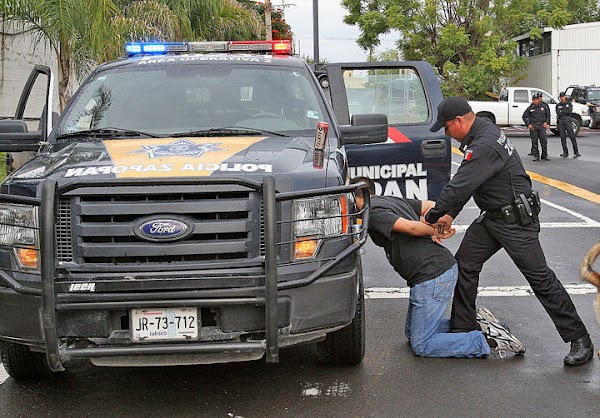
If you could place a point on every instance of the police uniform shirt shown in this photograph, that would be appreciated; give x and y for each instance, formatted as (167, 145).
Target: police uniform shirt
(416, 259)
(490, 171)
(537, 114)
(564, 110)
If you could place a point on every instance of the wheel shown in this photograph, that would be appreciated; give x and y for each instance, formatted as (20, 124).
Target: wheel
(576, 126)
(346, 347)
(23, 364)
(488, 116)
(9, 163)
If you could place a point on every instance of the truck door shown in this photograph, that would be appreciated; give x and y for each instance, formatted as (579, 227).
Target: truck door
(521, 101)
(414, 162)
(31, 125)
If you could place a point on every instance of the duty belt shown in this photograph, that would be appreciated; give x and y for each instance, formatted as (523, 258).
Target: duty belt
(495, 214)
(523, 210)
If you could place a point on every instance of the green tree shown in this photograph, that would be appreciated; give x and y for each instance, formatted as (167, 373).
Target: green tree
(84, 33)
(140, 21)
(281, 29)
(216, 19)
(74, 29)
(469, 42)
(391, 55)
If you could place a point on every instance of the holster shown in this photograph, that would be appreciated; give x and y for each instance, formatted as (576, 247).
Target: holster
(523, 210)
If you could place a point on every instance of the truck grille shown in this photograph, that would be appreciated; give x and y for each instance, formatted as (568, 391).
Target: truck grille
(95, 225)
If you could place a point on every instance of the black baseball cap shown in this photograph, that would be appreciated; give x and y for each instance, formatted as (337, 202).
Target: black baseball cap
(448, 109)
(537, 95)
(561, 94)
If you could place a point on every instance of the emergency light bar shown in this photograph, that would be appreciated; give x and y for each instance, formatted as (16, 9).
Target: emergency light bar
(282, 47)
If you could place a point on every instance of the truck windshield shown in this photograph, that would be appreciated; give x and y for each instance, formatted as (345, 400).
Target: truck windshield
(593, 94)
(170, 99)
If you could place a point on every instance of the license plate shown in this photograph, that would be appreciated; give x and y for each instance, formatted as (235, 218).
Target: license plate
(161, 324)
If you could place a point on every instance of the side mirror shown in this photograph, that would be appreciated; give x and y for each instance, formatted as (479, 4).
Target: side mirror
(14, 137)
(368, 128)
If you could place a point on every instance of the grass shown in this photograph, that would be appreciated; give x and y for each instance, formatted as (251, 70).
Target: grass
(2, 165)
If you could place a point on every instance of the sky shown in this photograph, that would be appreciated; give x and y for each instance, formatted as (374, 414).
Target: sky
(337, 41)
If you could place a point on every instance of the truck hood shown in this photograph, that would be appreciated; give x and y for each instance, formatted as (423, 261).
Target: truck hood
(174, 157)
(580, 108)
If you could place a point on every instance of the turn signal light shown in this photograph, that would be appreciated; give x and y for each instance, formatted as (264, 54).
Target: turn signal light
(305, 247)
(28, 257)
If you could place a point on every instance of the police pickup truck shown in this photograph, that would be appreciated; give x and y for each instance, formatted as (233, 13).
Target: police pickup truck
(512, 102)
(191, 205)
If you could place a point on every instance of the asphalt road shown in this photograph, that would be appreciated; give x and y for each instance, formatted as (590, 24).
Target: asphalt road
(391, 381)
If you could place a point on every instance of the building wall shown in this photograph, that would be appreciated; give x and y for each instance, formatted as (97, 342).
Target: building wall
(539, 73)
(17, 58)
(574, 59)
(577, 55)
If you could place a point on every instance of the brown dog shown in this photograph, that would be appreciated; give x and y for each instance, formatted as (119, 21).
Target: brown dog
(588, 273)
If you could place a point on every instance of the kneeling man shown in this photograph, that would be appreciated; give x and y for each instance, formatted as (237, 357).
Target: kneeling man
(413, 248)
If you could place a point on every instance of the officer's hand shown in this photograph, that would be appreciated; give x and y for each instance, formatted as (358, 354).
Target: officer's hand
(444, 223)
(545, 125)
(530, 127)
(444, 234)
(439, 233)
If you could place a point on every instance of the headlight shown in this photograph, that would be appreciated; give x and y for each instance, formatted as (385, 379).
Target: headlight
(315, 219)
(19, 230)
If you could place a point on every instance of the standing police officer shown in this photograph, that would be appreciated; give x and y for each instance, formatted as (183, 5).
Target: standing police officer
(537, 119)
(564, 108)
(493, 173)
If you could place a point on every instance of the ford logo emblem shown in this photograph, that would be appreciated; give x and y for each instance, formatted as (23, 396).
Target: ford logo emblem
(162, 230)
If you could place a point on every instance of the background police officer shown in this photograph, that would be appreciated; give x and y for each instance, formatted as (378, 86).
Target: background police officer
(564, 108)
(537, 119)
(493, 173)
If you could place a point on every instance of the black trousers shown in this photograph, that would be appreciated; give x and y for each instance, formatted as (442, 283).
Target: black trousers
(539, 133)
(565, 127)
(481, 241)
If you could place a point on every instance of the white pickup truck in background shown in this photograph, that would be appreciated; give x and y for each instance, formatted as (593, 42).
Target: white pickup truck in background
(512, 102)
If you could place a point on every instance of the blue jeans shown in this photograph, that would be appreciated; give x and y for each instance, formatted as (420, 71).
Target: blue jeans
(428, 330)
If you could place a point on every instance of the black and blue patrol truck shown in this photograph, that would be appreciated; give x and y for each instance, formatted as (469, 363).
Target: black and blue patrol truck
(191, 205)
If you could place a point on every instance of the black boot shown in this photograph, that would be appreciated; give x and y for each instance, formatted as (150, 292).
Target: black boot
(582, 351)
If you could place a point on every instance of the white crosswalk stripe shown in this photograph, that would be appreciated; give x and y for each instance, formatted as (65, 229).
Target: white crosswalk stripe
(496, 291)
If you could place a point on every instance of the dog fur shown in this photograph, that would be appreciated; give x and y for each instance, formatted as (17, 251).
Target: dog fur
(588, 273)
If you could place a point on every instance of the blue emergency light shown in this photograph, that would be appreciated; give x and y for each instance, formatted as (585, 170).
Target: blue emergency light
(143, 48)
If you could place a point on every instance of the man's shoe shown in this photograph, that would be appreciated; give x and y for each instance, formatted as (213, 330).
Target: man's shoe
(577, 155)
(565, 154)
(536, 159)
(531, 154)
(582, 351)
(484, 316)
(498, 336)
(546, 159)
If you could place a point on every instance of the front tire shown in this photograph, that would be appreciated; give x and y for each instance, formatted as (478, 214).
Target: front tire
(346, 346)
(488, 116)
(23, 364)
(576, 126)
